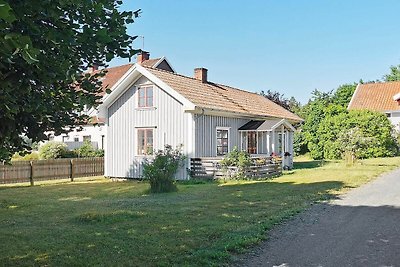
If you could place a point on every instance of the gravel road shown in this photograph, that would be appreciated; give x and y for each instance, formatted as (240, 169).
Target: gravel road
(362, 228)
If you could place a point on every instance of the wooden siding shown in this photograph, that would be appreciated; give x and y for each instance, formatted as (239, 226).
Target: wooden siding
(205, 133)
(167, 118)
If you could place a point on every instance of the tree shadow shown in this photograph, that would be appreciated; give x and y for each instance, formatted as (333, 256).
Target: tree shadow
(308, 164)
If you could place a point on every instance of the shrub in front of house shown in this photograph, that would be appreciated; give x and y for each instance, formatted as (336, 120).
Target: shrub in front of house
(52, 150)
(160, 170)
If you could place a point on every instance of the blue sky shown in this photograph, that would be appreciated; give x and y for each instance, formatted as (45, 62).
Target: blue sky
(292, 47)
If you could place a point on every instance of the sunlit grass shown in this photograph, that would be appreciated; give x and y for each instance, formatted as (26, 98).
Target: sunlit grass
(99, 222)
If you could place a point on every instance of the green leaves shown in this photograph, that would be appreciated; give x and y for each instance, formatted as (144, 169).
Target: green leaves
(45, 46)
(6, 13)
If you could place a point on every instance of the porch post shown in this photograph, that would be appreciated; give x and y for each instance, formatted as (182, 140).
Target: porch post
(283, 146)
(256, 142)
(273, 141)
(268, 142)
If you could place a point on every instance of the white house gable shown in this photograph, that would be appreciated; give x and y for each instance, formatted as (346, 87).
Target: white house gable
(151, 115)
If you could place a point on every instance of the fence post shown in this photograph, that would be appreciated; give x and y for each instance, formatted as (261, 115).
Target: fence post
(31, 176)
(71, 165)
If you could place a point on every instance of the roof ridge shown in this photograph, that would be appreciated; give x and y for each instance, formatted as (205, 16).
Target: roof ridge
(208, 82)
(379, 82)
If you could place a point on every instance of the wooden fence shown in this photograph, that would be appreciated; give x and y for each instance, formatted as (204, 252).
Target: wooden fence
(40, 170)
(210, 168)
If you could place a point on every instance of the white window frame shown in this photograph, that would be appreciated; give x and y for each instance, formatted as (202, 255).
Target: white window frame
(218, 128)
(137, 140)
(138, 97)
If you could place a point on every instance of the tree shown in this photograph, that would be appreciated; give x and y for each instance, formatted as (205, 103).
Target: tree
(343, 94)
(290, 104)
(373, 135)
(394, 74)
(45, 48)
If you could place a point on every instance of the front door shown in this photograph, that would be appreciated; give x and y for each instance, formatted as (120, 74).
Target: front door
(252, 142)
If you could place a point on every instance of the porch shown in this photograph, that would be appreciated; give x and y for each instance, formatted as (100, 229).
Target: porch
(210, 168)
(269, 137)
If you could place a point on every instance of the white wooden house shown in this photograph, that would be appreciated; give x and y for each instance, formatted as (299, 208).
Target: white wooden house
(151, 107)
(95, 131)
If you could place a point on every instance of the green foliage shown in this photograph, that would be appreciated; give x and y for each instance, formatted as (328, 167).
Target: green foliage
(88, 151)
(30, 156)
(52, 150)
(45, 48)
(239, 159)
(299, 143)
(160, 171)
(290, 104)
(354, 143)
(344, 94)
(365, 133)
(394, 74)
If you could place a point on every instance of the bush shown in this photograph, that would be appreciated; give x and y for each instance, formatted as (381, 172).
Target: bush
(370, 133)
(239, 159)
(52, 150)
(161, 170)
(31, 156)
(88, 151)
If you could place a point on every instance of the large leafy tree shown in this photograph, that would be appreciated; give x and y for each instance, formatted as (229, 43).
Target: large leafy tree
(45, 48)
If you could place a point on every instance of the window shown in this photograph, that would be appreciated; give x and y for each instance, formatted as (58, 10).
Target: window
(76, 139)
(145, 141)
(65, 138)
(145, 96)
(222, 141)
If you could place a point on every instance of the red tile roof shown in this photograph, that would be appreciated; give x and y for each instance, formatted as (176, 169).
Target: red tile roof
(376, 96)
(115, 73)
(221, 97)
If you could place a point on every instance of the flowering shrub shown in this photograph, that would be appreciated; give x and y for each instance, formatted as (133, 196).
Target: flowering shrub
(161, 170)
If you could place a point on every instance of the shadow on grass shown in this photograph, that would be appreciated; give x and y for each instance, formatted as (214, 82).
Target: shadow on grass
(211, 221)
(308, 164)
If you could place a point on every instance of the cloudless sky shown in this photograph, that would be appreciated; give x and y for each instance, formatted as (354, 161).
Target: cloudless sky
(290, 46)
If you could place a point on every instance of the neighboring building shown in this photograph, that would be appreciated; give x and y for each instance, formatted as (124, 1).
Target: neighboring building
(379, 97)
(95, 130)
(150, 108)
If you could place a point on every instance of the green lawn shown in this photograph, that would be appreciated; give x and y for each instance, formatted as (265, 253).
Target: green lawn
(117, 223)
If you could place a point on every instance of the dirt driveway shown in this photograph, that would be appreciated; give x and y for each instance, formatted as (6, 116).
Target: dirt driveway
(360, 229)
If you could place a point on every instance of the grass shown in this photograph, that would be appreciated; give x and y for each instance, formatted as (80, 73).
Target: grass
(98, 222)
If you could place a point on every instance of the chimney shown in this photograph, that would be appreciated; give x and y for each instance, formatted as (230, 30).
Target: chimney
(142, 56)
(200, 74)
(93, 68)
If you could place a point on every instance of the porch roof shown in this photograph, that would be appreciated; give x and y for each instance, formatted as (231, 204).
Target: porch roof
(264, 126)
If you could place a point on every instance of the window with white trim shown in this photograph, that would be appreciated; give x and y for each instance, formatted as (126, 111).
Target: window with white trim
(222, 141)
(145, 141)
(145, 96)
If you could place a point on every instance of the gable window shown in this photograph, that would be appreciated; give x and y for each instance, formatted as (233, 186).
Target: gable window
(145, 96)
(222, 141)
(145, 141)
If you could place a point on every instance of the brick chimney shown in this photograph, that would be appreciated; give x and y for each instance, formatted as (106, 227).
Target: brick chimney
(142, 56)
(200, 74)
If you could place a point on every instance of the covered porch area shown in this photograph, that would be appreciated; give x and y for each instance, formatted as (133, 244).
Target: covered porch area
(272, 137)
